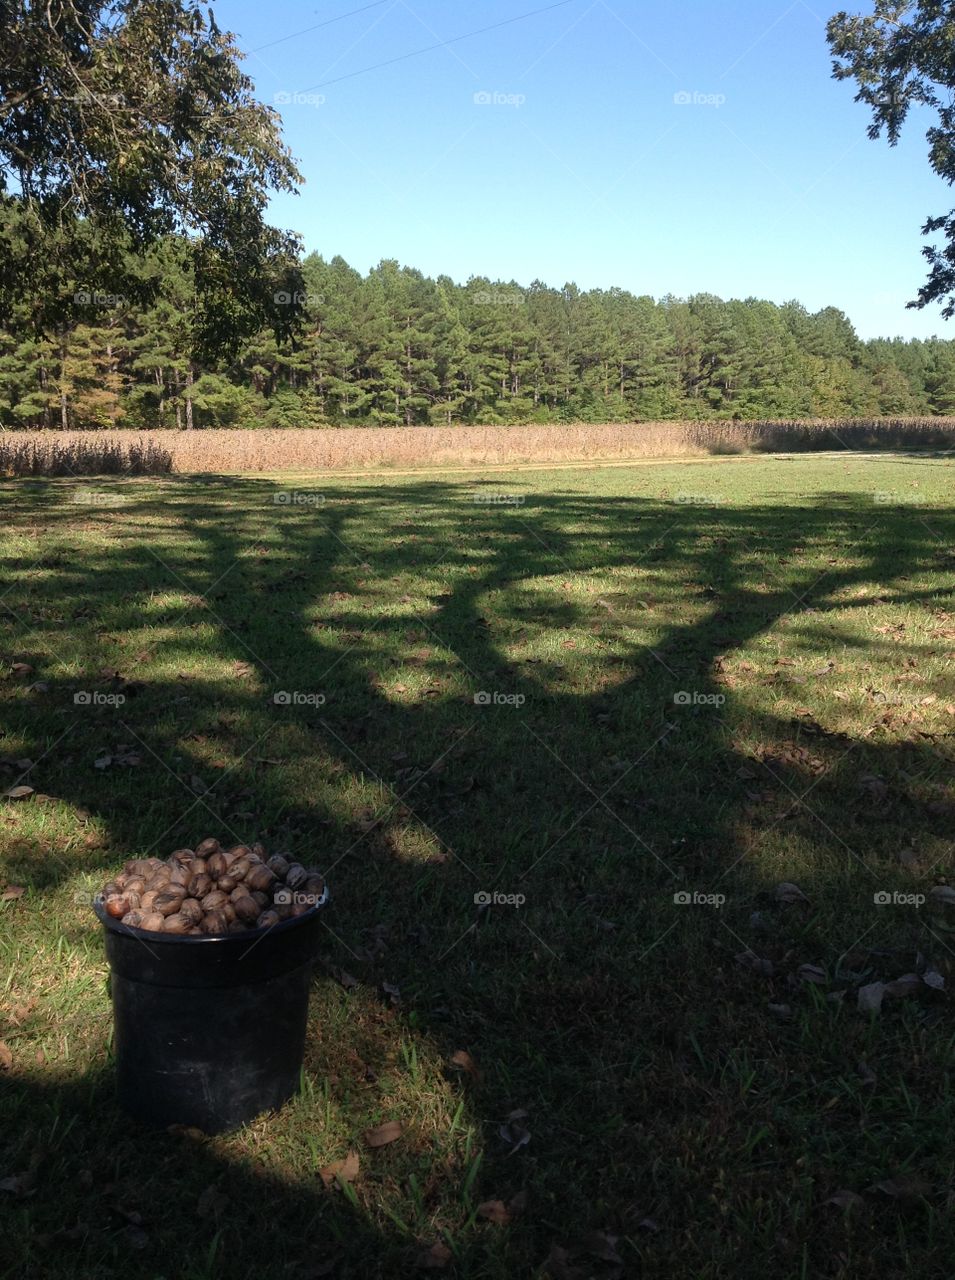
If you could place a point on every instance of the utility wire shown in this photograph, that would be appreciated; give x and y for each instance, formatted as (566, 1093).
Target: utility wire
(327, 23)
(442, 44)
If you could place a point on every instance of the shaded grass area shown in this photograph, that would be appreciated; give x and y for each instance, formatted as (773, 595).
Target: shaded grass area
(700, 682)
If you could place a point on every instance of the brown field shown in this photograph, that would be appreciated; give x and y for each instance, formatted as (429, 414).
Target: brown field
(228, 451)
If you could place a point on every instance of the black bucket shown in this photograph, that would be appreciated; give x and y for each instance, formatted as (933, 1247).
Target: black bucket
(209, 1031)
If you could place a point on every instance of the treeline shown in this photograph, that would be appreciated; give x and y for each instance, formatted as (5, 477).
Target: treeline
(395, 347)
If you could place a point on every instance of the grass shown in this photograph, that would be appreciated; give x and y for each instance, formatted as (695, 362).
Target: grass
(262, 451)
(698, 1109)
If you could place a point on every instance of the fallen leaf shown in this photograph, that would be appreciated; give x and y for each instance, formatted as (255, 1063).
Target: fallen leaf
(19, 793)
(559, 1266)
(786, 892)
(600, 1245)
(749, 960)
(845, 1199)
(433, 1259)
(907, 985)
(6, 1057)
(12, 892)
(495, 1211)
(870, 997)
(385, 1133)
(517, 1203)
(907, 1186)
(932, 978)
(943, 893)
(461, 1058)
(212, 1203)
(811, 973)
(346, 1170)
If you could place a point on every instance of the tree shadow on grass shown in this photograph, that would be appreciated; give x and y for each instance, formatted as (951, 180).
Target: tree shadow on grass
(616, 1015)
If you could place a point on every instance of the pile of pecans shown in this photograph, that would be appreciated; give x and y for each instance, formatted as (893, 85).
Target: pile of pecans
(211, 890)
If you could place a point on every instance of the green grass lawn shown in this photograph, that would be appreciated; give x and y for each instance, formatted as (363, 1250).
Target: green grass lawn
(695, 1077)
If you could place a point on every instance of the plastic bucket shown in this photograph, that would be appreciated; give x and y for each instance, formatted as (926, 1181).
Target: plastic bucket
(209, 1031)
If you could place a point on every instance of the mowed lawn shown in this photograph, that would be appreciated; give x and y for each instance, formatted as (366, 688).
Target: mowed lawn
(700, 682)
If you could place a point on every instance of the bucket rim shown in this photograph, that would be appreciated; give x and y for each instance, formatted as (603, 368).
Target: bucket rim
(178, 939)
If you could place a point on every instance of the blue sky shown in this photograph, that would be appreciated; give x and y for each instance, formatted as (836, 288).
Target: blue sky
(555, 148)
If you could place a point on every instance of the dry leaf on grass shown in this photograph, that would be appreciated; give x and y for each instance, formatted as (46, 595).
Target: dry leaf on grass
(869, 999)
(435, 1257)
(346, 1170)
(212, 1203)
(906, 1187)
(786, 892)
(12, 892)
(461, 1058)
(495, 1211)
(845, 1199)
(907, 985)
(383, 1134)
(6, 1057)
(18, 793)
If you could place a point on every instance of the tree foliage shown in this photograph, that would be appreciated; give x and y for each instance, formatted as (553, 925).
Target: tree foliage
(123, 122)
(396, 348)
(902, 54)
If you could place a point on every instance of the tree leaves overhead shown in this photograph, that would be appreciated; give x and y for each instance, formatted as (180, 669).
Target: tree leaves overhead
(902, 54)
(121, 123)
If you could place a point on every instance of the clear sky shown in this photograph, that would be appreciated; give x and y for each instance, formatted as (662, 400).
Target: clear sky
(558, 147)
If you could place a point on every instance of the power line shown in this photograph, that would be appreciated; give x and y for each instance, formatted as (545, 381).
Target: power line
(442, 44)
(327, 23)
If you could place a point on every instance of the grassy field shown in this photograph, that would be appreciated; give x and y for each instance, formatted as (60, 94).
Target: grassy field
(632, 703)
